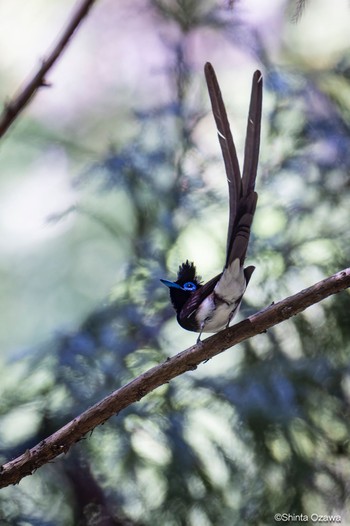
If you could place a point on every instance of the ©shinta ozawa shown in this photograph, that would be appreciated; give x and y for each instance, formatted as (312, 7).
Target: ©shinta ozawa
(210, 307)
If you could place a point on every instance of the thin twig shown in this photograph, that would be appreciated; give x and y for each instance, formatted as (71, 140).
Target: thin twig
(64, 438)
(19, 101)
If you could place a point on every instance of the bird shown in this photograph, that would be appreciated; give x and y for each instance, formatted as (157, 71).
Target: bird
(211, 306)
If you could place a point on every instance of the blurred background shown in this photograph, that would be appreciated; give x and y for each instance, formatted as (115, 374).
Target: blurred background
(110, 179)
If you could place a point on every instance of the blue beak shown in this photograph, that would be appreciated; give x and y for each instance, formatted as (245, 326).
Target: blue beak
(171, 284)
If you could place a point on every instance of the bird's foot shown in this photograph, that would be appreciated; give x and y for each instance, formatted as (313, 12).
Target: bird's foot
(199, 338)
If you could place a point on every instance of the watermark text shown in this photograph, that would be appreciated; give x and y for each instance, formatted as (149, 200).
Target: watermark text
(302, 517)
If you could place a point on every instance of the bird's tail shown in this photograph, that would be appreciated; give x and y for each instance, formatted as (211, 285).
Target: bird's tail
(242, 195)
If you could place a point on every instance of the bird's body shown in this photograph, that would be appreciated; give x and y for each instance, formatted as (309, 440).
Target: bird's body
(211, 306)
(216, 310)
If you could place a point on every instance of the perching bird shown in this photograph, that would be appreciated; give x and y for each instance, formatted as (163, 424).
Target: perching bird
(210, 307)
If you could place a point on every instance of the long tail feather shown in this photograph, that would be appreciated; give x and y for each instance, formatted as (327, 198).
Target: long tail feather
(228, 150)
(248, 199)
(242, 196)
(252, 143)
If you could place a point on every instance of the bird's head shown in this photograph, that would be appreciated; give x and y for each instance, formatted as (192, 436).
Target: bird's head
(187, 283)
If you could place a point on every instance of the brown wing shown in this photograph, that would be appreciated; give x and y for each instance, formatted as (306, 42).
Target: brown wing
(195, 300)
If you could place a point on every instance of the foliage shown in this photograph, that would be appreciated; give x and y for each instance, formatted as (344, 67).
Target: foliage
(264, 430)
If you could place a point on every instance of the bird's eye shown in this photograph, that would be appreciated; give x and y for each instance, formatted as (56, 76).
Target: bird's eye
(189, 286)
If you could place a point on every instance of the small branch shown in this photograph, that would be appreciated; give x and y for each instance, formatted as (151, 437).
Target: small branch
(188, 360)
(18, 103)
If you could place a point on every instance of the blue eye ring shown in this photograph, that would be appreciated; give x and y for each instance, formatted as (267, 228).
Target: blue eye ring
(190, 286)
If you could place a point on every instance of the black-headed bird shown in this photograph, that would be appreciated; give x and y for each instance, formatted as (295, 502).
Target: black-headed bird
(210, 307)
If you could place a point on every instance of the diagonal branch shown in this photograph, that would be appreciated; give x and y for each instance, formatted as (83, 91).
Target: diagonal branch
(64, 438)
(19, 101)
